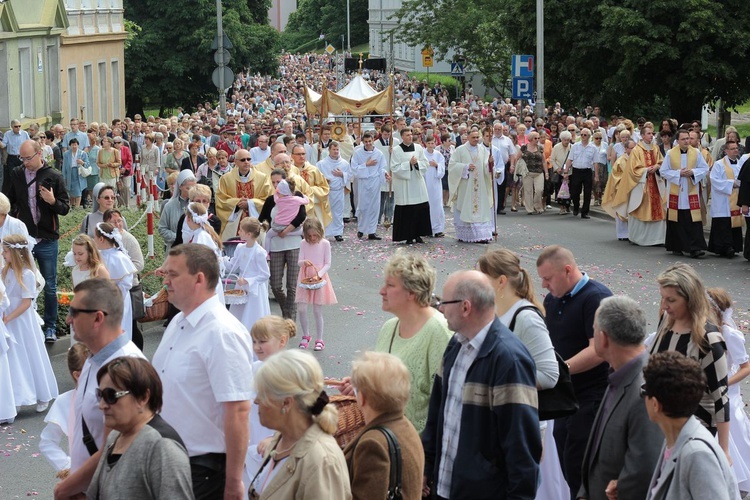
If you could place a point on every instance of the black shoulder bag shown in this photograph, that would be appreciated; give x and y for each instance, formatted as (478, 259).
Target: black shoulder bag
(560, 401)
(395, 487)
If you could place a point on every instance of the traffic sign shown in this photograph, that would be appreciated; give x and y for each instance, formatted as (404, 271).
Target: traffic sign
(426, 60)
(523, 88)
(227, 44)
(222, 57)
(427, 51)
(228, 77)
(522, 66)
(330, 49)
(457, 69)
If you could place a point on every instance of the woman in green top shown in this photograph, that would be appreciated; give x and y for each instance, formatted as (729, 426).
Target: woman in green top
(418, 334)
(108, 161)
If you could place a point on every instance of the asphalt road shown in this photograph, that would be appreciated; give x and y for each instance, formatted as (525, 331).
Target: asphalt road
(352, 325)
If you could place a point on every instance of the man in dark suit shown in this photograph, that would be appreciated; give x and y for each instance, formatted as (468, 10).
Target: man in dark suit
(624, 443)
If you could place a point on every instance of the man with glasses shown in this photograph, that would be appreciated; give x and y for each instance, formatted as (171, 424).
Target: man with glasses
(11, 142)
(95, 315)
(580, 167)
(38, 197)
(83, 138)
(494, 425)
(261, 152)
(726, 217)
(241, 193)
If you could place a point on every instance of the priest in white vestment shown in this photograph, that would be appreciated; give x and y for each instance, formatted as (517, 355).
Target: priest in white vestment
(471, 183)
(338, 173)
(726, 218)
(434, 182)
(369, 167)
(411, 217)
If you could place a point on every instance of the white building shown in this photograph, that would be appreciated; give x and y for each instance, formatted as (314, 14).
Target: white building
(405, 57)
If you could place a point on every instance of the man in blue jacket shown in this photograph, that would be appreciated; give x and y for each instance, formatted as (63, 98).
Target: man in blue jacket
(482, 437)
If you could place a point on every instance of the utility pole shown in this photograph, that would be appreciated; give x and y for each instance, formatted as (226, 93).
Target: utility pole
(539, 108)
(222, 62)
(348, 29)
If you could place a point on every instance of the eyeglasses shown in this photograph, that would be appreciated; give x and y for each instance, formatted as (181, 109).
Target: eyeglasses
(29, 158)
(438, 302)
(107, 197)
(299, 154)
(644, 390)
(585, 135)
(242, 159)
(109, 395)
(16, 126)
(74, 311)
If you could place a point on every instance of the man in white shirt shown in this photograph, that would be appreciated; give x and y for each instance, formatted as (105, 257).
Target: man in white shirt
(95, 315)
(502, 141)
(338, 173)
(261, 152)
(205, 364)
(369, 167)
(580, 166)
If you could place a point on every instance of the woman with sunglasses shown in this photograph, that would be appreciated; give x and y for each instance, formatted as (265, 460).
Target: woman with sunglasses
(104, 199)
(144, 457)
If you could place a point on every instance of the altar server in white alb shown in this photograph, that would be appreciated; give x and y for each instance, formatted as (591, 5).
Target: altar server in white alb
(411, 217)
(471, 183)
(369, 167)
(339, 174)
(434, 181)
(726, 218)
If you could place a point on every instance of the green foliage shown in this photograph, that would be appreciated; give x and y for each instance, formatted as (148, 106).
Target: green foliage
(470, 28)
(170, 60)
(133, 31)
(630, 55)
(452, 84)
(69, 230)
(328, 17)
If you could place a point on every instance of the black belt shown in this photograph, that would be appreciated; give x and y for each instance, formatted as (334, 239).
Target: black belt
(210, 460)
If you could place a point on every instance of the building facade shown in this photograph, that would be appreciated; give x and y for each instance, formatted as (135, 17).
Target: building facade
(29, 59)
(278, 14)
(92, 61)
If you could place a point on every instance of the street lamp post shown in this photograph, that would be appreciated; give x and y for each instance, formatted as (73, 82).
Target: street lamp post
(539, 108)
(348, 29)
(222, 83)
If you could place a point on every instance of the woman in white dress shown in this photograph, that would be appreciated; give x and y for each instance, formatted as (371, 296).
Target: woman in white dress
(7, 399)
(196, 229)
(11, 225)
(250, 264)
(121, 269)
(33, 379)
(739, 368)
(434, 181)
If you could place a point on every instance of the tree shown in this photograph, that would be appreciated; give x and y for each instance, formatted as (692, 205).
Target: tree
(470, 28)
(328, 17)
(634, 57)
(170, 61)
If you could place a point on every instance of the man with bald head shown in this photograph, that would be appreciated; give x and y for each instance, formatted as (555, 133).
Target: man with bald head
(571, 305)
(241, 193)
(267, 165)
(483, 414)
(284, 161)
(319, 188)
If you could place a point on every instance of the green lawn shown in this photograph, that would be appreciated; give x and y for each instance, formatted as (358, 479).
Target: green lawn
(743, 129)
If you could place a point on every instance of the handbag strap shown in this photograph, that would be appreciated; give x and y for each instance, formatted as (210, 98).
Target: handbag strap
(393, 336)
(512, 324)
(395, 483)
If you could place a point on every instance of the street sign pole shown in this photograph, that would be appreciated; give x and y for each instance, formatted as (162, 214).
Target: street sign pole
(222, 83)
(539, 109)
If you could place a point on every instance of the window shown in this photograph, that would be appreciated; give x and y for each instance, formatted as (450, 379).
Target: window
(116, 111)
(88, 92)
(73, 94)
(4, 110)
(103, 101)
(26, 81)
(53, 79)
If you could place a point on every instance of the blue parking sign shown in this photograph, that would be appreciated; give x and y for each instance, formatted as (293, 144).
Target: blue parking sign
(523, 88)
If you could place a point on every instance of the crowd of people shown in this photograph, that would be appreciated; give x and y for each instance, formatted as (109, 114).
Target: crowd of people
(488, 392)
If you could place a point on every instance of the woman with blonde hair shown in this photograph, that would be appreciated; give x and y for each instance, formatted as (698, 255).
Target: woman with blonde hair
(381, 381)
(685, 328)
(291, 401)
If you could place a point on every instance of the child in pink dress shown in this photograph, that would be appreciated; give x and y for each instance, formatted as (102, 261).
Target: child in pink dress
(286, 209)
(314, 252)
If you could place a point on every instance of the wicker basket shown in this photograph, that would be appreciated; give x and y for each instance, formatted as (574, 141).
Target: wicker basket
(351, 420)
(158, 310)
(313, 282)
(233, 294)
